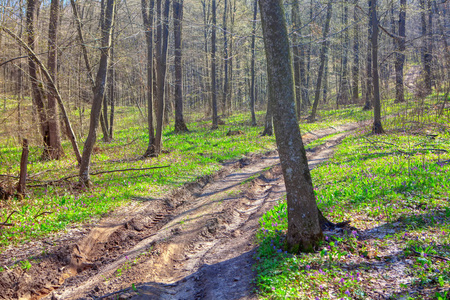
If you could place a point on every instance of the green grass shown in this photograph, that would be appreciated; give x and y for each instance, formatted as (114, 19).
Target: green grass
(400, 181)
(190, 155)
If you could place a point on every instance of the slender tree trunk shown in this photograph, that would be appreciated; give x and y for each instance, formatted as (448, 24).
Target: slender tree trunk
(162, 36)
(355, 69)
(147, 15)
(323, 54)
(36, 88)
(368, 91)
(377, 128)
(100, 81)
(180, 125)
(225, 59)
(344, 86)
(207, 80)
(230, 58)
(252, 87)
(54, 150)
(325, 81)
(296, 23)
(213, 67)
(400, 54)
(426, 59)
(304, 232)
(268, 123)
(111, 86)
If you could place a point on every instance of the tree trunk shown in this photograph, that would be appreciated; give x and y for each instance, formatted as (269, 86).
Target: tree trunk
(162, 37)
(54, 150)
(323, 54)
(99, 93)
(400, 54)
(377, 128)
(425, 49)
(355, 69)
(111, 93)
(368, 87)
(252, 87)
(180, 125)
(268, 124)
(296, 23)
(213, 67)
(225, 59)
(147, 15)
(23, 168)
(36, 87)
(304, 232)
(344, 86)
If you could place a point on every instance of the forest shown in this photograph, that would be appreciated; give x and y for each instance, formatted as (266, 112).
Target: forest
(224, 149)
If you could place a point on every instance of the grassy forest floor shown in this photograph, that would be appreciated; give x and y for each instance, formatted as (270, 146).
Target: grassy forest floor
(393, 188)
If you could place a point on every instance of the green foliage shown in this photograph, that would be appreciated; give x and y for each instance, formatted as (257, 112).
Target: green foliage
(402, 179)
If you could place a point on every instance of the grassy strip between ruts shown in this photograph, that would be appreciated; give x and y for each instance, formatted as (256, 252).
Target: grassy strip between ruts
(395, 190)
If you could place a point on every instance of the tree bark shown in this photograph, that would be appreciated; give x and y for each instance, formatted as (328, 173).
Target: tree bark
(355, 68)
(99, 93)
(162, 37)
(400, 54)
(304, 232)
(54, 150)
(344, 83)
(252, 71)
(36, 87)
(323, 54)
(377, 127)
(23, 168)
(225, 59)
(147, 15)
(368, 91)
(215, 123)
(180, 125)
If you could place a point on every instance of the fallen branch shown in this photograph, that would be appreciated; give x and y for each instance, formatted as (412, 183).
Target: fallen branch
(431, 255)
(8, 224)
(98, 173)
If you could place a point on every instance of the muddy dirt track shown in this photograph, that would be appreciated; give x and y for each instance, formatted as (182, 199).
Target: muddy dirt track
(196, 243)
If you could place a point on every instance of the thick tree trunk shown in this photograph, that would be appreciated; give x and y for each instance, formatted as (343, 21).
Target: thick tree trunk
(147, 15)
(323, 54)
(180, 125)
(252, 70)
(304, 232)
(377, 128)
(99, 93)
(215, 122)
(400, 54)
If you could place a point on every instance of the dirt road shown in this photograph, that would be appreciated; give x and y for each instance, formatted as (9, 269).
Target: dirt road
(197, 243)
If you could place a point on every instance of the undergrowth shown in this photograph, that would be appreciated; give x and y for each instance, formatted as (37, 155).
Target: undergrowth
(394, 188)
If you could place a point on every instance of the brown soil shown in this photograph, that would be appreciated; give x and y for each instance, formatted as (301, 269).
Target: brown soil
(196, 243)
